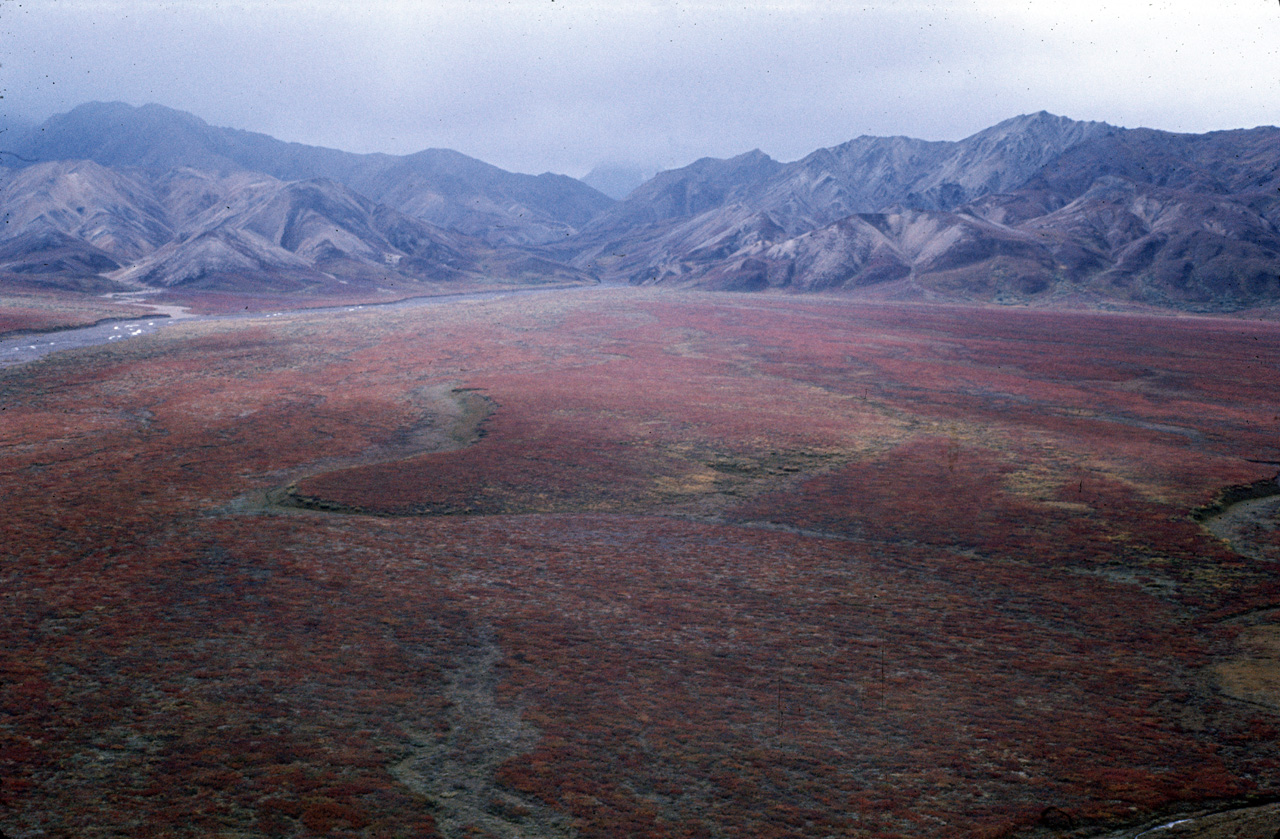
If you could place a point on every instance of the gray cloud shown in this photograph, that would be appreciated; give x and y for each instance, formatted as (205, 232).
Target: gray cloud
(534, 85)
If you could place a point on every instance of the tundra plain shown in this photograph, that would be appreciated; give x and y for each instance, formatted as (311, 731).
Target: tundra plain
(614, 562)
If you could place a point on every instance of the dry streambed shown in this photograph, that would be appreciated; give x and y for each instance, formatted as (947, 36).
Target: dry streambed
(1248, 518)
(455, 769)
(1260, 821)
(1252, 524)
(451, 418)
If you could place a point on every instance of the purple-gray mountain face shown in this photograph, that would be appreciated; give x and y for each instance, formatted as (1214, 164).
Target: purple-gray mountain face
(1037, 208)
(151, 197)
(78, 224)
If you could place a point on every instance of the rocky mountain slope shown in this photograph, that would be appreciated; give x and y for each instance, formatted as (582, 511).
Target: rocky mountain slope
(1036, 207)
(1039, 209)
(439, 186)
(78, 224)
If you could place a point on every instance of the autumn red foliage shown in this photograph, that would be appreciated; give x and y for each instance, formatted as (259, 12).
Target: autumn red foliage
(23, 312)
(611, 563)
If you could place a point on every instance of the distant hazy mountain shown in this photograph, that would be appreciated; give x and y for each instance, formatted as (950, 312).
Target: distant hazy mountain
(617, 180)
(461, 193)
(12, 132)
(443, 187)
(1036, 208)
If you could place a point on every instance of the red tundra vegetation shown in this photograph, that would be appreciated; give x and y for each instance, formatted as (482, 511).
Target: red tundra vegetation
(45, 310)
(612, 563)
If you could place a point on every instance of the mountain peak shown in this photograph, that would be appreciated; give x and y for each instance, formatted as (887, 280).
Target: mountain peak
(1038, 197)
(1040, 122)
(118, 112)
(440, 186)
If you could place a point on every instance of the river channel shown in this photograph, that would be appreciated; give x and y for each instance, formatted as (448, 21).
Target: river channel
(21, 349)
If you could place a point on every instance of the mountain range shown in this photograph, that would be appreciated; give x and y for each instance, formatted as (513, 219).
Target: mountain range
(1038, 209)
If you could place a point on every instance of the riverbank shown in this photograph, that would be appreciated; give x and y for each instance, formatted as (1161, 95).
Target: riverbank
(25, 314)
(25, 347)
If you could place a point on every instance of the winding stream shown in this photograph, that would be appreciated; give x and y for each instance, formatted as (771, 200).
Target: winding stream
(21, 349)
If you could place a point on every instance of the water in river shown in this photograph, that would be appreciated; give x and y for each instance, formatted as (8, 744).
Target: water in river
(24, 348)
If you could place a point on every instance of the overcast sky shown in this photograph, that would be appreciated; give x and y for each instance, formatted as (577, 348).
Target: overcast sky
(561, 85)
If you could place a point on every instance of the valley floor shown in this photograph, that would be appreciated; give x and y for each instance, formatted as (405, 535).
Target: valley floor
(611, 562)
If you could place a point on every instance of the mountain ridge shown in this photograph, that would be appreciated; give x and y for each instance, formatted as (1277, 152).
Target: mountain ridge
(1035, 209)
(531, 209)
(78, 224)
(991, 206)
